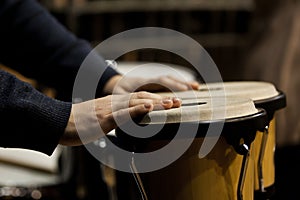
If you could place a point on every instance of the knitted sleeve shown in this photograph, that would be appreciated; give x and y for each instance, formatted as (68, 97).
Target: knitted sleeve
(35, 44)
(28, 118)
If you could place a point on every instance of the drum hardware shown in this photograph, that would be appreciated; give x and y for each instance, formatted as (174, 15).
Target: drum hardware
(137, 179)
(261, 159)
(265, 190)
(243, 171)
(242, 146)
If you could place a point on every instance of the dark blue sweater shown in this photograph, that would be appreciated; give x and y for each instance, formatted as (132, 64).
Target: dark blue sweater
(35, 44)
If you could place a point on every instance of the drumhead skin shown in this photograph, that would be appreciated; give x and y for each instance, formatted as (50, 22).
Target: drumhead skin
(255, 90)
(242, 89)
(233, 114)
(264, 94)
(203, 110)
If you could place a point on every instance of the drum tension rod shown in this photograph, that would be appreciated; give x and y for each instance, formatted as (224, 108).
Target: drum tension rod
(137, 178)
(261, 158)
(246, 154)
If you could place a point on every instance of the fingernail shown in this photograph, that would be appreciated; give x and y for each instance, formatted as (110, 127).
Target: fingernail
(147, 105)
(196, 85)
(176, 99)
(166, 101)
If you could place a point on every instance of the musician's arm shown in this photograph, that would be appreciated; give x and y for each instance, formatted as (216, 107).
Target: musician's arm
(28, 118)
(32, 120)
(34, 43)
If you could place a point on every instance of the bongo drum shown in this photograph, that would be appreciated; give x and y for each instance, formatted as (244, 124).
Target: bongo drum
(225, 173)
(142, 69)
(266, 96)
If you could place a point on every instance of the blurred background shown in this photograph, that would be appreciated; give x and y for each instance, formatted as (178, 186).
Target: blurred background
(247, 39)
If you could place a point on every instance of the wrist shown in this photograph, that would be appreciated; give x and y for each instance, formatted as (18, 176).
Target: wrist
(111, 83)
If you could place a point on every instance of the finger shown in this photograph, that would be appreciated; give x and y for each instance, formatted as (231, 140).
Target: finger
(122, 116)
(165, 103)
(190, 84)
(158, 104)
(158, 100)
(176, 102)
(118, 105)
(119, 117)
(162, 103)
(195, 85)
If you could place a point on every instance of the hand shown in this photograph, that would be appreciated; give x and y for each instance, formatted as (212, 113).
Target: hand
(122, 84)
(110, 111)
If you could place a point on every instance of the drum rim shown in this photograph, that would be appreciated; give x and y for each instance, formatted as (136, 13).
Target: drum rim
(260, 111)
(271, 105)
(253, 122)
(277, 102)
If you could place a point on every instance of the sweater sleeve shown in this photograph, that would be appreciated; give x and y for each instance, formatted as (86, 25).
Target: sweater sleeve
(34, 43)
(28, 118)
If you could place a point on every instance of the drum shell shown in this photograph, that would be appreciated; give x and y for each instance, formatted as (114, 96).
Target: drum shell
(215, 176)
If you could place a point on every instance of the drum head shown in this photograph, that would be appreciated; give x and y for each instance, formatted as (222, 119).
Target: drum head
(203, 110)
(254, 90)
(264, 94)
(242, 89)
(231, 115)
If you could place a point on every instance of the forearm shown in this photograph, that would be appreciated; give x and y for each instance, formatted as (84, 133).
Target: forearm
(29, 119)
